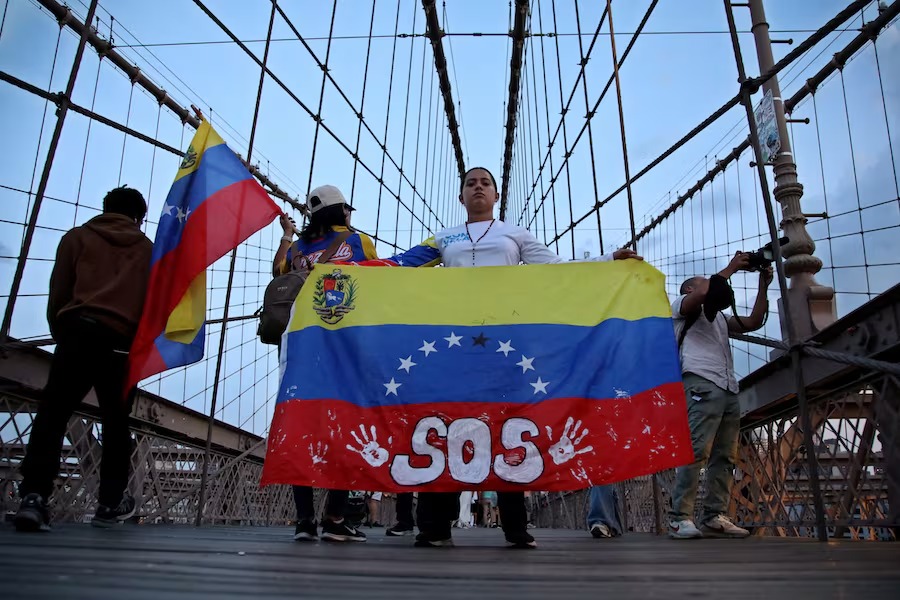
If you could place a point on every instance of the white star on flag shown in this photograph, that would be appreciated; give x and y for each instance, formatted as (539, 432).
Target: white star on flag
(427, 348)
(167, 209)
(406, 363)
(505, 348)
(453, 340)
(392, 387)
(525, 363)
(182, 215)
(540, 386)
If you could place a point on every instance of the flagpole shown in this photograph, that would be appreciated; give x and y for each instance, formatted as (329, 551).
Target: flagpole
(204, 477)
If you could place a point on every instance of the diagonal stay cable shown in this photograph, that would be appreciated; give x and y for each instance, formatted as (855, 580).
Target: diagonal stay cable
(518, 34)
(593, 111)
(299, 102)
(612, 43)
(382, 144)
(409, 74)
(362, 101)
(566, 152)
(387, 117)
(325, 74)
(872, 29)
(550, 145)
(434, 33)
(802, 48)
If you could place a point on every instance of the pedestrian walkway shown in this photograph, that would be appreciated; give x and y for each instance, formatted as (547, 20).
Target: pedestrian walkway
(169, 562)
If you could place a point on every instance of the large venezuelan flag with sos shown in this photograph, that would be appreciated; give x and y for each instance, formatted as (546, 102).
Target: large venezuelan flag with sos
(213, 206)
(546, 377)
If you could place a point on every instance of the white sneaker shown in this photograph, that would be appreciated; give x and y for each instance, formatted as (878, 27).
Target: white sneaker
(684, 530)
(721, 526)
(599, 530)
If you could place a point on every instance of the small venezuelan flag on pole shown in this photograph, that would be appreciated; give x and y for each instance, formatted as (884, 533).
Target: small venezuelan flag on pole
(214, 205)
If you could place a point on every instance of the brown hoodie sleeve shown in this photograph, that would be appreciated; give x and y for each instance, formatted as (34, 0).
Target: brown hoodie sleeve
(62, 280)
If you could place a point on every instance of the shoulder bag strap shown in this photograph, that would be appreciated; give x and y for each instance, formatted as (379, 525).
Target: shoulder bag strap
(688, 323)
(333, 247)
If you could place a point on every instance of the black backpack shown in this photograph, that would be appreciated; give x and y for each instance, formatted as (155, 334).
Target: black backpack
(283, 290)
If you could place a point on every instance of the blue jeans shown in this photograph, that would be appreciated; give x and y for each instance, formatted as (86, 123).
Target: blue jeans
(714, 416)
(604, 509)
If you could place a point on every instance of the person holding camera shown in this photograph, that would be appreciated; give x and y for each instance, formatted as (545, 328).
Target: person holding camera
(711, 390)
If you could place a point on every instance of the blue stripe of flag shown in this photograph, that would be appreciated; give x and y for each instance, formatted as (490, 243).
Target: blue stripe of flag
(616, 358)
(176, 354)
(219, 168)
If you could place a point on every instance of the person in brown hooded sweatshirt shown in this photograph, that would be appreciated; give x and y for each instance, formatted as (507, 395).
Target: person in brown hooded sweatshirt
(96, 298)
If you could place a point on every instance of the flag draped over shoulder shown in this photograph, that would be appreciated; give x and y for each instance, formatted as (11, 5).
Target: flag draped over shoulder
(213, 206)
(549, 377)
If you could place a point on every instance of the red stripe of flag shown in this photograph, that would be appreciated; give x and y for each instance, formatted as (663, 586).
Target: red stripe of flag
(331, 444)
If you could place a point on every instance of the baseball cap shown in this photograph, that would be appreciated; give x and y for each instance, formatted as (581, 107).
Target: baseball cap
(325, 195)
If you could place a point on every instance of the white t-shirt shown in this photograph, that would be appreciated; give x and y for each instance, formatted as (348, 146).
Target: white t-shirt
(502, 245)
(705, 350)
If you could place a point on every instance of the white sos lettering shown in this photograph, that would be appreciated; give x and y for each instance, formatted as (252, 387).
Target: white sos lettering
(516, 434)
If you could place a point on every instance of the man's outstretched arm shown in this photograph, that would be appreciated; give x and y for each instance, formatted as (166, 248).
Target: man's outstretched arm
(758, 315)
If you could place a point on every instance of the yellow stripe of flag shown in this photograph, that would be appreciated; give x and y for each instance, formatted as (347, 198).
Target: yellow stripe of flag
(527, 294)
(189, 314)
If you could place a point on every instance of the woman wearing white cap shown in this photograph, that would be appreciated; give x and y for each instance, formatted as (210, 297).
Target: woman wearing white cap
(329, 219)
(327, 236)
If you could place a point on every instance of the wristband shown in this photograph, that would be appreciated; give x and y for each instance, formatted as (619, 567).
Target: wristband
(287, 239)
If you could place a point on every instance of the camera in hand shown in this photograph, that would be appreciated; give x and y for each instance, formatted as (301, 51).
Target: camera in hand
(765, 256)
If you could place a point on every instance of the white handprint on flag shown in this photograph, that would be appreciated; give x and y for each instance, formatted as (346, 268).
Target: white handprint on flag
(564, 450)
(369, 449)
(318, 454)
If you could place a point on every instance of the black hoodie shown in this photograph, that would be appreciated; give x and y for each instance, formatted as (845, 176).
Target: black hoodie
(101, 273)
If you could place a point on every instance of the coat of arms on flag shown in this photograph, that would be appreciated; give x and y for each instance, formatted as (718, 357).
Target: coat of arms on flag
(334, 295)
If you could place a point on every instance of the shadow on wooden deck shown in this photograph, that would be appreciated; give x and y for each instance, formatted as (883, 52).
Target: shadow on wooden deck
(168, 562)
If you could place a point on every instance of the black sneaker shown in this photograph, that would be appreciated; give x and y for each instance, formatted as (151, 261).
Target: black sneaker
(341, 532)
(112, 517)
(399, 529)
(306, 531)
(434, 539)
(33, 515)
(522, 540)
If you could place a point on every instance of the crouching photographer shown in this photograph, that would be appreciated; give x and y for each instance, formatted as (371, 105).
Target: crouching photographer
(711, 389)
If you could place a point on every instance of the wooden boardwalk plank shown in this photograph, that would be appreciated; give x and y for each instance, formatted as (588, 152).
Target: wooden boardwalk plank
(169, 562)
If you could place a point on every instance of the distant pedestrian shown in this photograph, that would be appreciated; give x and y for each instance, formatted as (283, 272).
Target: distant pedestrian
(405, 524)
(604, 518)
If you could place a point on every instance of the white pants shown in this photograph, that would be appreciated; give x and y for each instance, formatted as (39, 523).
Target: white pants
(465, 508)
